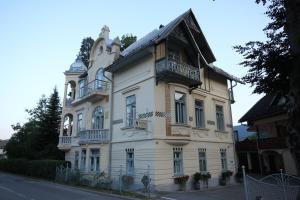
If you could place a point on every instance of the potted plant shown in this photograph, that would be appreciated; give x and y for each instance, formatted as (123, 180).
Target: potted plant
(127, 180)
(146, 182)
(225, 177)
(181, 181)
(204, 176)
(196, 183)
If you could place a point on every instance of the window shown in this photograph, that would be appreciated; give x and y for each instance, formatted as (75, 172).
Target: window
(98, 118)
(202, 160)
(220, 118)
(83, 159)
(130, 161)
(81, 88)
(174, 55)
(95, 160)
(223, 159)
(130, 110)
(177, 161)
(199, 114)
(79, 122)
(99, 79)
(76, 160)
(180, 108)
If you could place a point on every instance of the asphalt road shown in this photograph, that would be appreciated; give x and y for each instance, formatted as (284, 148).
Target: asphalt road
(21, 188)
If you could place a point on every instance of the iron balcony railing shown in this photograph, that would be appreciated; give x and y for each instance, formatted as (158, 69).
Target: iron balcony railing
(93, 86)
(63, 140)
(68, 102)
(183, 69)
(94, 136)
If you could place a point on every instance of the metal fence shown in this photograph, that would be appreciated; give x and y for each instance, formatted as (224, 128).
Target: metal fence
(279, 186)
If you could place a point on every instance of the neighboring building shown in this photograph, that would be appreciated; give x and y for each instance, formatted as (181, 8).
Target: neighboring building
(2, 145)
(160, 107)
(268, 152)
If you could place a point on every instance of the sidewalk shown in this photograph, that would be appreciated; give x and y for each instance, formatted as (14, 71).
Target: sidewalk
(234, 192)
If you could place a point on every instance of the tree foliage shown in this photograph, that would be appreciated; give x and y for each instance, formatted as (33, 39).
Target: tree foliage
(85, 49)
(269, 62)
(38, 138)
(127, 40)
(274, 64)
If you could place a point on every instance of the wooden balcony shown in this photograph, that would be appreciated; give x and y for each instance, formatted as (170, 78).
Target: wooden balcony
(92, 92)
(93, 136)
(272, 143)
(174, 71)
(266, 143)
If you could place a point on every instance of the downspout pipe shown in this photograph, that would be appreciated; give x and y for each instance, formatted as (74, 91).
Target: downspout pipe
(110, 123)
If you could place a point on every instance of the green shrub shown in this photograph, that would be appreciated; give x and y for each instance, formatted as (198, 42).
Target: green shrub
(45, 169)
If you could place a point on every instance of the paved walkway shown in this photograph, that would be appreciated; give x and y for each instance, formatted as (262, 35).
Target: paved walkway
(235, 192)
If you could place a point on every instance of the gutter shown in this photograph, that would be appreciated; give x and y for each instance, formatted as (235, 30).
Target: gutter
(110, 123)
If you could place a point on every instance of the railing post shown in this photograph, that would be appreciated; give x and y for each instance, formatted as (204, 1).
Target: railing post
(283, 185)
(245, 182)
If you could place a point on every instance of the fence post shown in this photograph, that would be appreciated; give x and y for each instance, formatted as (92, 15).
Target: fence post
(120, 179)
(245, 182)
(283, 185)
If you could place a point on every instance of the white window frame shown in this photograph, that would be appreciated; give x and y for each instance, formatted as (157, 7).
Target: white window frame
(94, 160)
(76, 160)
(220, 118)
(180, 108)
(83, 159)
(130, 161)
(177, 162)
(130, 110)
(98, 118)
(79, 122)
(202, 160)
(223, 156)
(99, 78)
(81, 85)
(199, 114)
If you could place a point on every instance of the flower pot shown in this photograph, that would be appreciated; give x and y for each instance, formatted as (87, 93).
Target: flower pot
(197, 185)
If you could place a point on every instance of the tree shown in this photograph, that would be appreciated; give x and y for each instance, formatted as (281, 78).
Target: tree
(127, 40)
(38, 138)
(85, 50)
(274, 64)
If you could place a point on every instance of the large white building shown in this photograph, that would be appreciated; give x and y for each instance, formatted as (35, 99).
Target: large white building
(159, 107)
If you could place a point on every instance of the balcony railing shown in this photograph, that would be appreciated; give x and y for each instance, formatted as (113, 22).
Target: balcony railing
(68, 102)
(93, 86)
(94, 136)
(64, 140)
(165, 66)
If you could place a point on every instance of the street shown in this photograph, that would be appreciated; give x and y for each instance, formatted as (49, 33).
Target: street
(18, 188)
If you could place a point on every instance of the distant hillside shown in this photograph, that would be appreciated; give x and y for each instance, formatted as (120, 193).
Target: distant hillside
(242, 132)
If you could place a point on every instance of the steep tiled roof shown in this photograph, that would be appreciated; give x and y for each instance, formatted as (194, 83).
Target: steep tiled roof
(267, 106)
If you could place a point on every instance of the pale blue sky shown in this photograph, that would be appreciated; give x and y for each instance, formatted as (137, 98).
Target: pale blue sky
(40, 39)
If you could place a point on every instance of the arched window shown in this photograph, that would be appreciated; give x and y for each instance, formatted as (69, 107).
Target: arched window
(98, 118)
(99, 78)
(68, 125)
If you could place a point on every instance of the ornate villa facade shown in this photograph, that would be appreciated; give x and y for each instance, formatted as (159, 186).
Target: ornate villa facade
(159, 107)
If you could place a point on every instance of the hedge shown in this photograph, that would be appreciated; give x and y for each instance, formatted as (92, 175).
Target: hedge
(45, 169)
